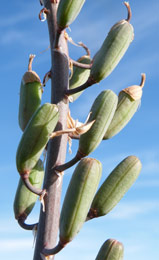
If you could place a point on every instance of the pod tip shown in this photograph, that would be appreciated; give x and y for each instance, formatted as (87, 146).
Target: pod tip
(143, 79)
(31, 58)
(129, 11)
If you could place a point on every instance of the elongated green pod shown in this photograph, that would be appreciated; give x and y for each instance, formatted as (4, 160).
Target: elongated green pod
(102, 112)
(79, 76)
(67, 12)
(24, 199)
(128, 102)
(35, 137)
(113, 49)
(115, 186)
(111, 250)
(78, 199)
(30, 95)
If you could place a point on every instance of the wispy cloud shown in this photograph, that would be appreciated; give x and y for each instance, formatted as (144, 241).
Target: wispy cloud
(142, 23)
(16, 244)
(22, 13)
(148, 183)
(12, 36)
(15, 19)
(9, 225)
(149, 159)
(20, 37)
(133, 209)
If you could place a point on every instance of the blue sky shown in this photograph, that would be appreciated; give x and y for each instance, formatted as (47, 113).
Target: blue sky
(135, 220)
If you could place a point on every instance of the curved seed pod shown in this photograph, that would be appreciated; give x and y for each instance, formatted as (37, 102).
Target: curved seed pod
(30, 95)
(113, 49)
(35, 137)
(111, 250)
(24, 199)
(102, 112)
(78, 199)
(67, 12)
(128, 102)
(115, 186)
(79, 76)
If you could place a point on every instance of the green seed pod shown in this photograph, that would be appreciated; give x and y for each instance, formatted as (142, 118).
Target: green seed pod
(113, 49)
(35, 137)
(67, 12)
(128, 102)
(102, 112)
(79, 76)
(78, 199)
(115, 186)
(24, 199)
(30, 95)
(111, 250)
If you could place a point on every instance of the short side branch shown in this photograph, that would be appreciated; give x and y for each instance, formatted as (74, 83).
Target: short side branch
(87, 84)
(54, 250)
(81, 65)
(25, 178)
(21, 222)
(65, 166)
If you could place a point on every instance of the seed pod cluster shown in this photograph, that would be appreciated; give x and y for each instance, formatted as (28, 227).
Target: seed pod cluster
(78, 198)
(108, 115)
(24, 199)
(30, 95)
(128, 102)
(113, 49)
(35, 137)
(115, 186)
(102, 112)
(111, 250)
(67, 12)
(79, 76)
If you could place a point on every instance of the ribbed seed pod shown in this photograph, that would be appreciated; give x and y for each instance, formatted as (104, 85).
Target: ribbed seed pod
(67, 12)
(102, 112)
(24, 199)
(79, 196)
(115, 186)
(30, 95)
(111, 250)
(35, 137)
(113, 49)
(128, 102)
(79, 76)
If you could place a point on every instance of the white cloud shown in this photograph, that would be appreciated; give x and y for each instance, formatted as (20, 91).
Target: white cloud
(16, 244)
(133, 209)
(10, 226)
(11, 36)
(151, 167)
(7, 168)
(149, 159)
(134, 248)
(142, 23)
(148, 183)
(20, 37)
(23, 13)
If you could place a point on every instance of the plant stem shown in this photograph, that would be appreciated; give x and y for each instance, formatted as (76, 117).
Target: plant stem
(54, 250)
(81, 65)
(56, 152)
(22, 223)
(87, 84)
(65, 166)
(32, 188)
